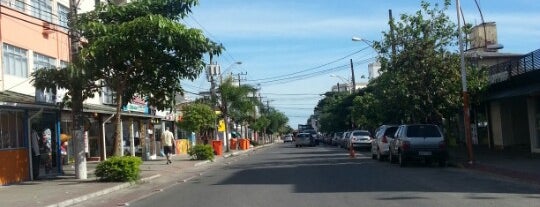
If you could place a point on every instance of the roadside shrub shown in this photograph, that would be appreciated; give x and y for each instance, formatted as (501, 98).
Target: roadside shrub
(254, 143)
(201, 152)
(119, 169)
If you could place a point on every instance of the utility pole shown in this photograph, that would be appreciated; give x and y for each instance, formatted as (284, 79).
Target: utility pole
(466, 111)
(240, 78)
(213, 70)
(392, 42)
(352, 78)
(77, 108)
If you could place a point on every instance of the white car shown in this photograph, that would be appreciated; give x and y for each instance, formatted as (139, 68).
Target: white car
(360, 139)
(287, 138)
(381, 144)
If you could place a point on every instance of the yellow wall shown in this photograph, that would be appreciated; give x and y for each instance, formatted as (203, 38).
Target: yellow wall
(13, 166)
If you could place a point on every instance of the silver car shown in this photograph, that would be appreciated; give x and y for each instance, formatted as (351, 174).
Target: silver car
(418, 141)
(303, 139)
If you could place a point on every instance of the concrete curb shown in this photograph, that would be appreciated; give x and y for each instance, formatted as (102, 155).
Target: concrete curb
(100, 193)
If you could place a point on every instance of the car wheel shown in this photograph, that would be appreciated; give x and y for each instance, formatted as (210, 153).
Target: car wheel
(379, 156)
(402, 159)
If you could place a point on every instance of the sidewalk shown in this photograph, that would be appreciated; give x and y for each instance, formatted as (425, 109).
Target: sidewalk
(517, 164)
(65, 190)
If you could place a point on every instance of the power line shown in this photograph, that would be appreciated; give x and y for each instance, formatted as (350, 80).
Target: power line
(232, 59)
(314, 74)
(294, 94)
(313, 68)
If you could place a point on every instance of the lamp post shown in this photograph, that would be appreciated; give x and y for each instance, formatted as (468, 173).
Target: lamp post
(466, 111)
(227, 69)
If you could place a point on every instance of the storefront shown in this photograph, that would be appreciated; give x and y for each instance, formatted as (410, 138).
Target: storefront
(29, 142)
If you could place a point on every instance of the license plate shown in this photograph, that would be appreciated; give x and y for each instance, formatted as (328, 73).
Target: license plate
(424, 153)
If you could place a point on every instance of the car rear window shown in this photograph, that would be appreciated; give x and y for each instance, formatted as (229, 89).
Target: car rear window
(390, 131)
(423, 131)
(361, 133)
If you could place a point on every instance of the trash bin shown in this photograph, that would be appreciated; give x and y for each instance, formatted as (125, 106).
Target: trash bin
(233, 144)
(243, 144)
(218, 147)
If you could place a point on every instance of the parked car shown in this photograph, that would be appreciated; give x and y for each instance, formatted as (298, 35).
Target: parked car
(380, 146)
(303, 139)
(288, 138)
(359, 139)
(418, 141)
(344, 140)
(336, 138)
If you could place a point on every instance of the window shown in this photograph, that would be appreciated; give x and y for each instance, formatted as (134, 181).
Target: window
(42, 9)
(11, 129)
(63, 12)
(15, 61)
(16, 4)
(423, 131)
(108, 95)
(43, 61)
(40, 62)
(63, 64)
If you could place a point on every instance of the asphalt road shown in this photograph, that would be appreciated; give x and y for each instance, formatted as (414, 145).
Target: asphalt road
(325, 176)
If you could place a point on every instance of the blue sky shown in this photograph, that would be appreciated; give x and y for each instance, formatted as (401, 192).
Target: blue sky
(280, 38)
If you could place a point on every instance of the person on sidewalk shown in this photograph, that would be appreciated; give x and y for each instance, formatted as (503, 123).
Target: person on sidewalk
(167, 138)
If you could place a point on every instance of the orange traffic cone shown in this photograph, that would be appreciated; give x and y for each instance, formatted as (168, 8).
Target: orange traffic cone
(351, 152)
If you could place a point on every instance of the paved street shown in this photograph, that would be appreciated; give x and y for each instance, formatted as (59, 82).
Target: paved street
(324, 176)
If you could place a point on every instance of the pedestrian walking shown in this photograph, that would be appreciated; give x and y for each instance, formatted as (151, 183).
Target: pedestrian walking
(167, 139)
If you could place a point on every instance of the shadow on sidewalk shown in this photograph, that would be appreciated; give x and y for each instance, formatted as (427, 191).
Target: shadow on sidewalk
(516, 162)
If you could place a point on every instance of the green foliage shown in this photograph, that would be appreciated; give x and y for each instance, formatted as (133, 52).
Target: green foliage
(197, 117)
(254, 143)
(119, 169)
(201, 152)
(421, 79)
(236, 100)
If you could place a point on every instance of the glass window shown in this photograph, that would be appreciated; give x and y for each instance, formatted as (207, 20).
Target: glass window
(423, 131)
(40, 62)
(11, 129)
(43, 61)
(108, 96)
(63, 64)
(16, 4)
(63, 12)
(15, 61)
(42, 9)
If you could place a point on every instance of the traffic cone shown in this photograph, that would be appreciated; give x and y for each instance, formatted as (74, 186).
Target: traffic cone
(351, 152)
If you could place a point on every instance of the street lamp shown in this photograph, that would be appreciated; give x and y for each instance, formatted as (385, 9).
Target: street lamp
(231, 66)
(466, 111)
(359, 39)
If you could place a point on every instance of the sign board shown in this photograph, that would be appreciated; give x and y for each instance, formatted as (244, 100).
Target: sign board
(221, 125)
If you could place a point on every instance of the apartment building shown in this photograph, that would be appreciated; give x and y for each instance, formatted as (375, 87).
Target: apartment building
(34, 131)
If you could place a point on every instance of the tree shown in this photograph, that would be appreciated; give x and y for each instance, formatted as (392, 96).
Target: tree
(141, 49)
(199, 118)
(423, 77)
(137, 48)
(235, 103)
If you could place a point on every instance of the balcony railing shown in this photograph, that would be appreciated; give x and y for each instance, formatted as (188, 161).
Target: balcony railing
(504, 71)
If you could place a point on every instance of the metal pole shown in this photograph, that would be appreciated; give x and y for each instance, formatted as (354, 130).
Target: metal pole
(352, 78)
(466, 111)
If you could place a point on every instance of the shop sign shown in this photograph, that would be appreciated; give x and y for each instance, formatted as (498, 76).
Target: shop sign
(137, 104)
